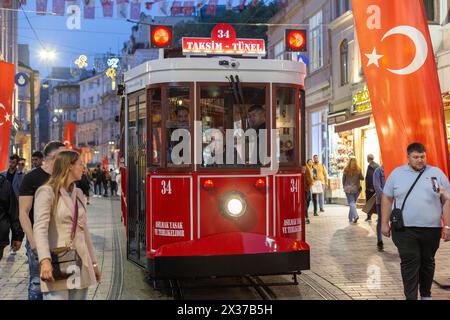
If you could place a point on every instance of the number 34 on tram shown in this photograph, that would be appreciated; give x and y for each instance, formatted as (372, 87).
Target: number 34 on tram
(212, 172)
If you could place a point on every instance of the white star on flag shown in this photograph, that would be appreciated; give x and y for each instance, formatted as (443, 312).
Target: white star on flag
(373, 58)
(7, 117)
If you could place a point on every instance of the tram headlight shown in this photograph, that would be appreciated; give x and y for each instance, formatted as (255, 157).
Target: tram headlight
(233, 204)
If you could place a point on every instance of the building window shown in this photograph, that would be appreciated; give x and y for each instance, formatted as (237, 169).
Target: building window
(91, 85)
(319, 139)
(429, 10)
(93, 114)
(91, 100)
(341, 7)
(344, 62)
(278, 50)
(316, 42)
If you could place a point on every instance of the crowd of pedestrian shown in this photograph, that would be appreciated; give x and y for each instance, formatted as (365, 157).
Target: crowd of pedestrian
(48, 204)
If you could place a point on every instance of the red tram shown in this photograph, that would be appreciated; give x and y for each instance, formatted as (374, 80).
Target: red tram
(202, 216)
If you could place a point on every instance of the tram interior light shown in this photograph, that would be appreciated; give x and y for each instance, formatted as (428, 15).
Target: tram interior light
(295, 40)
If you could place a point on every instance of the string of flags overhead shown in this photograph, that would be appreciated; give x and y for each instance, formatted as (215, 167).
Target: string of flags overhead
(132, 8)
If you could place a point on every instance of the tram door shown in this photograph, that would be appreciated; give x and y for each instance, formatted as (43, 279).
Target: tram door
(137, 155)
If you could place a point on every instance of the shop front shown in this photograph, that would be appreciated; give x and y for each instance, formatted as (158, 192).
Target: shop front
(352, 133)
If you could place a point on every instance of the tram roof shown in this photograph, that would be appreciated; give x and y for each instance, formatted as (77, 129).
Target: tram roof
(209, 70)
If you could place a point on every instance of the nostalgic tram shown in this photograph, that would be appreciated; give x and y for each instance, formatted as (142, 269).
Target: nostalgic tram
(216, 212)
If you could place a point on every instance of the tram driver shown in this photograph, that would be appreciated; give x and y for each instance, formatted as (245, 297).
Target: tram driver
(181, 122)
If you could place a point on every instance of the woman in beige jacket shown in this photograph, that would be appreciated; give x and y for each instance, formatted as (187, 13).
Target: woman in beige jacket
(53, 221)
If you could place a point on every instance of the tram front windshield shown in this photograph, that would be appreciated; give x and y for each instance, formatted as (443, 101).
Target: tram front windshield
(234, 131)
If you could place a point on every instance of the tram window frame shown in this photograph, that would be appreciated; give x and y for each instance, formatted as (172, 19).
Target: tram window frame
(237, 168)
(299, 129)
(163, 165)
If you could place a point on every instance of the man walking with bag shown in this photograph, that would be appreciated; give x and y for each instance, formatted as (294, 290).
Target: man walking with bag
(416, 220)
(370, 189)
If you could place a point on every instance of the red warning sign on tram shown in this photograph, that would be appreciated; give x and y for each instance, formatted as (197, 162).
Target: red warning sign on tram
(223, 41)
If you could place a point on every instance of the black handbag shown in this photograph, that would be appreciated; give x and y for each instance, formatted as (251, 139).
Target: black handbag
(65, 260)
(397, 222)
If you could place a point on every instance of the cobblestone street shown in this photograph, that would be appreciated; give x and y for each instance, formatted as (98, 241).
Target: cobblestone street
(345, 263)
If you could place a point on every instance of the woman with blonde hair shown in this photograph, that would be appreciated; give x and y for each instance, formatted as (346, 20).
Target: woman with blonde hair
(60, 217)
(351, 181)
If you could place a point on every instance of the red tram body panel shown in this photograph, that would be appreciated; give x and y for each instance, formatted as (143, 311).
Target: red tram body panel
(196, 219)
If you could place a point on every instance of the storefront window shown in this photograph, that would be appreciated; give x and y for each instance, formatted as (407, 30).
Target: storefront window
(341, 149)
(319, 135)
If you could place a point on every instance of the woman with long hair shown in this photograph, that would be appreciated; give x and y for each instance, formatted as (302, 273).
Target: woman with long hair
(60, 217)
(351, 181)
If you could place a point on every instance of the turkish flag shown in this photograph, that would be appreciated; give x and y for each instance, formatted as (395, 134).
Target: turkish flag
(69, 134)
(6, 94)
(398, 61)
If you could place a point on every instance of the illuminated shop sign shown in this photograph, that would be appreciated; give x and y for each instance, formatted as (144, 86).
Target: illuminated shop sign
(361, 101)
(446, 100)
(223, 41)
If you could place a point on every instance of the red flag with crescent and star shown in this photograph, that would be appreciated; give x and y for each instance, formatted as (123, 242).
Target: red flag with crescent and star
(401, 74)
(6, 95)
(69, 134)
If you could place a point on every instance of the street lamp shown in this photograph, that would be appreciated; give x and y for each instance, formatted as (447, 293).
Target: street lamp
(47, 54)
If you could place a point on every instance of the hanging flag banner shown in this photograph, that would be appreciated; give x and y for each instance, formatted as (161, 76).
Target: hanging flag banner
(176, 8)
(108, 8)
(69, 134)
(135, 9)
(122, 9)
(242, 5)
(6, 94)
(41, 7)
(188, 8)
(223, 41)
(7, 4)
(200, 4)
(212, 7)
(89, 9)
(59, 7)
(400, 69)
(229, 5)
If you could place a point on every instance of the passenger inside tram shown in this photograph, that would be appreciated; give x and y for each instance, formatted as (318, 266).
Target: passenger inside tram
(180, 122)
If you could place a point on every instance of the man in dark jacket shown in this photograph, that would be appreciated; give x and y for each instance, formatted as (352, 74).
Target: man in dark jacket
(370, 189)
(9, 217)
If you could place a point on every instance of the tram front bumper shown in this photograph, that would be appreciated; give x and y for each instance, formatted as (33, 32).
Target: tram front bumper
(230, 254)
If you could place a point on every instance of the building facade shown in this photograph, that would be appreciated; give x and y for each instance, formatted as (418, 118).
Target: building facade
(340, 124)
(98, 128)
(28, 100)
(64, 103)
(9, 53)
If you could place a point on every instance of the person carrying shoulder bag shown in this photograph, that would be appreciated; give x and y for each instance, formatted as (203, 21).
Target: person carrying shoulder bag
(68, 265)
(415, 222)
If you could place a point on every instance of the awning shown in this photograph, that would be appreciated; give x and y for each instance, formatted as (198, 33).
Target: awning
(352, 124)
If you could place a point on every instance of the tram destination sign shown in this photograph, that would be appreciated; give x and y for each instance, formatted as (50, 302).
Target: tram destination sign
(223, 41)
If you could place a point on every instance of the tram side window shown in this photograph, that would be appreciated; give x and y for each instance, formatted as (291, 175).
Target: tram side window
(225, 111)
(156, 122)
(178, 127)
(286, 124)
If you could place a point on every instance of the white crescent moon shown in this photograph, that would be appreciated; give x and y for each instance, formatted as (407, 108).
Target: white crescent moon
(421, 48)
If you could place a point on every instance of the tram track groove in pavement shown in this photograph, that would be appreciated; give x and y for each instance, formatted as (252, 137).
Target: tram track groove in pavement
(115, 291)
